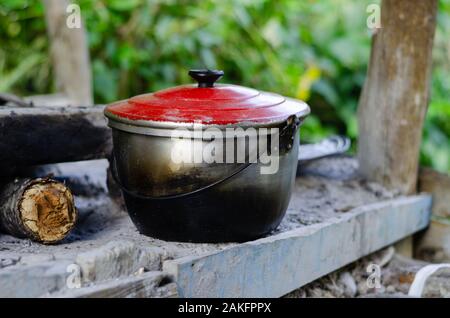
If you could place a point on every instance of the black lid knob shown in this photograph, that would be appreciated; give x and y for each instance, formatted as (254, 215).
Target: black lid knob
(206, 78)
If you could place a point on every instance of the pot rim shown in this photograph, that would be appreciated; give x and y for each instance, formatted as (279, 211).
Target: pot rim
(166, 128)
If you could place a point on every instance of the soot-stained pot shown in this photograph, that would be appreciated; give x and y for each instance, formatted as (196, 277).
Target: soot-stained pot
(167, 150)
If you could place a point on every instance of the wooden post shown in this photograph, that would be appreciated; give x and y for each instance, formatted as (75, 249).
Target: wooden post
(394, 100)
(39, 209)
(70, 54)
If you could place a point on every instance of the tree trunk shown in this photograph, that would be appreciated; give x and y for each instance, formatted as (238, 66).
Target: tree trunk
(69, 52)
(394, 100)
(39, 209)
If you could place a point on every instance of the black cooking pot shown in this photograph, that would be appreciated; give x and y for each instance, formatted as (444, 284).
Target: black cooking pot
(206, 162)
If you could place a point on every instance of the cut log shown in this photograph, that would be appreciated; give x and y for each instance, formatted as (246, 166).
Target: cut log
(394, 100)
(39, 209)
(32, 136)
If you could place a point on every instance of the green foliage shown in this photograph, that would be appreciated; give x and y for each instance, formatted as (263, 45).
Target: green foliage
(314, 50)
(24, 67)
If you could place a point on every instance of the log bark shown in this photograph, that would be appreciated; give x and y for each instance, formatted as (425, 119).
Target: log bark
(394, 100)
(69, 53)
(40, 209)
(32, 136)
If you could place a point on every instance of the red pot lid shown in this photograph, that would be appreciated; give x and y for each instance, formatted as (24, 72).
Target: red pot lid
(208, 104)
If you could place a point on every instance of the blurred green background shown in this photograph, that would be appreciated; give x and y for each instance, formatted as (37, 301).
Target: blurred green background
(314, 50)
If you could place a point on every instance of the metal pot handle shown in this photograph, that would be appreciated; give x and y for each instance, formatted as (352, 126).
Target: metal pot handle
(292, 123)
(174, 196)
